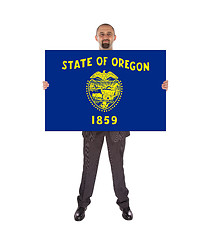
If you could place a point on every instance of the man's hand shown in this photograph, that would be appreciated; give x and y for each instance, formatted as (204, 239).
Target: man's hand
(165, 85)
(45, 85)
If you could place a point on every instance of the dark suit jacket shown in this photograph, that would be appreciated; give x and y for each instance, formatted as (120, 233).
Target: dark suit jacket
(115, 135)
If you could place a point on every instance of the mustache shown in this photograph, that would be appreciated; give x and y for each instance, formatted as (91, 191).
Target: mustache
(106, 40)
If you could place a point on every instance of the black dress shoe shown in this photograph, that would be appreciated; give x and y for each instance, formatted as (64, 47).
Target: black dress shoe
(127, 213)
(80, 213)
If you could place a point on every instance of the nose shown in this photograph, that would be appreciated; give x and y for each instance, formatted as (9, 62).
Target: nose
(105, 36)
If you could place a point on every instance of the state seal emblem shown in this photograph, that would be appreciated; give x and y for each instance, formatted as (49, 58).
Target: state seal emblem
(104, 90)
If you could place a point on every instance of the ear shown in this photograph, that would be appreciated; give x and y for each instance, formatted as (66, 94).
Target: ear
(96, 38)
(114, 37)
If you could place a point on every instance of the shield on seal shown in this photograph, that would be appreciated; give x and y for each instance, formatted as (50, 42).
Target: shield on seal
(104, 90)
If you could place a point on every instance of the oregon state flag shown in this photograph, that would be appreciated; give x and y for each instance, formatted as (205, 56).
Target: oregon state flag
(92, 90)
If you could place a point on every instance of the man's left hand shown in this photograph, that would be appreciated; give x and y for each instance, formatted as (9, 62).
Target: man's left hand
(165, 85)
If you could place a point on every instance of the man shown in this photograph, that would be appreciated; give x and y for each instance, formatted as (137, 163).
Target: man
(93, 142)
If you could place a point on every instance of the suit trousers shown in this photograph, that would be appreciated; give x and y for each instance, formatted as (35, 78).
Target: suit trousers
(92, 150)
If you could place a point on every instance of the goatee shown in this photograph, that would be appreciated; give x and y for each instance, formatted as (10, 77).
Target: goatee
(105, 45)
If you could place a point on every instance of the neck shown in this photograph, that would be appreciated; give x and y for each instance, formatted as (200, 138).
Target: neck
(111, 48)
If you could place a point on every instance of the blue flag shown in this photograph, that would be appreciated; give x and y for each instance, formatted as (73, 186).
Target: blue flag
(92, 90)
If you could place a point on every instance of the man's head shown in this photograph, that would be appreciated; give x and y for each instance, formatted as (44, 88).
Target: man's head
(105, 36)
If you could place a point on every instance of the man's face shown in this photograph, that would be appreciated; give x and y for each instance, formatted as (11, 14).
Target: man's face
(105, 36)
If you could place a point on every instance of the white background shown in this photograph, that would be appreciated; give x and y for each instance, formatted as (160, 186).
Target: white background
(167, 173)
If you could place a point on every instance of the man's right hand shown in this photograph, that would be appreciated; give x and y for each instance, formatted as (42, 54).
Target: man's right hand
(45, 85)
